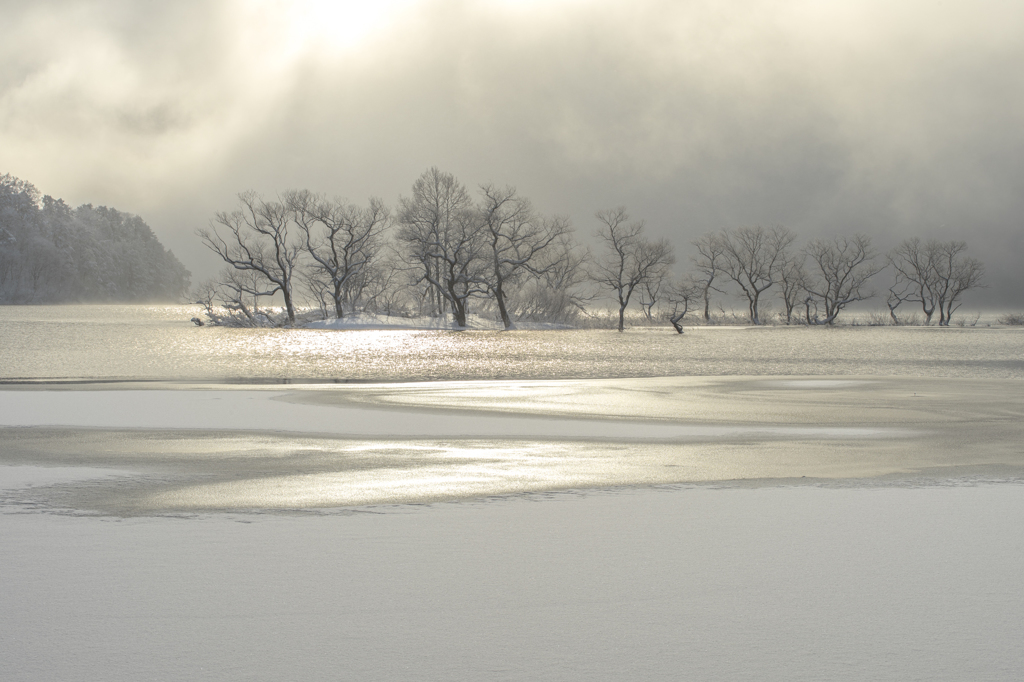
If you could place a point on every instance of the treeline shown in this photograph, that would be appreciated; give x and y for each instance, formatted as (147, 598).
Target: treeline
(52, 253)
(443, 250)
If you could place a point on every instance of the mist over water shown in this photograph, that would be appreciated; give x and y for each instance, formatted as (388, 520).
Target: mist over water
(159, 343)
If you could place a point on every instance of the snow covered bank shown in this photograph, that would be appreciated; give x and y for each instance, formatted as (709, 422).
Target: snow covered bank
(762, 584)
(374, 321)
(371, 321)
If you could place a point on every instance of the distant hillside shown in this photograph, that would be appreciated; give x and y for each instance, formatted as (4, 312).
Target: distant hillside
(52, 253)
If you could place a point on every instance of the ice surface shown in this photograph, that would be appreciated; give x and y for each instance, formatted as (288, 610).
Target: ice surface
(247, 410)
(241, 534)
(762, 584)
(13, 477)
(814, 383)
(341, 445)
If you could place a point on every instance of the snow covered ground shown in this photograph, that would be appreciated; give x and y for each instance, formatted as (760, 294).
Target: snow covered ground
(777, 583)
(363, 320)
(534, 530)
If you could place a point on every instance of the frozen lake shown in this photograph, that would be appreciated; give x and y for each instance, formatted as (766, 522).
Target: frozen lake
(159, 342)
(786, 584)
(216, 418)
(735, 504)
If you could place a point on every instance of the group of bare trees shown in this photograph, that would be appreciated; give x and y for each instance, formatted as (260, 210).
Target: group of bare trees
(932, 274)
(438, 252)
(498, 248)
(823, 277)
(444, 251)
(630, 261)
(334, 251)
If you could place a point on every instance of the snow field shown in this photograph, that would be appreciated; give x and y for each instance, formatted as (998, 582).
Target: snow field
(711, 584)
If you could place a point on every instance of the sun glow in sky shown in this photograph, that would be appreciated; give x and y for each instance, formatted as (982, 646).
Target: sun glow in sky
(851, 115)
(331, 28)
(324, 26)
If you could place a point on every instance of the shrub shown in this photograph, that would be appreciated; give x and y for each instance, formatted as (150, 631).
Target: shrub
(1012, 319)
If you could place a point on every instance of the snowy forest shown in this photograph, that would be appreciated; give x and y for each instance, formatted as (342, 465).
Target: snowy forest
(444, 251)
(53, 253)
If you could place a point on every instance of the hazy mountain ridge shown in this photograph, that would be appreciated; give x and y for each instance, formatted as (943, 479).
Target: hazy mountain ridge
(53, 253)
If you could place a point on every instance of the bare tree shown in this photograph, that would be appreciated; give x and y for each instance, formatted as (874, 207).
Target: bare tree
(934, 274)
(559, 293)
(955, 273)
(342, 239)
(840, 270)
(385, 291)
(319, 289)
(630, 259)
(792, 282)
(754, 258)
(238, 292)
(682, 294)
(900, 292)
(652, 290)
(442, 234)
(710, 262)
(517, 239)
(915, 277)
(241, 291)
(259, 241)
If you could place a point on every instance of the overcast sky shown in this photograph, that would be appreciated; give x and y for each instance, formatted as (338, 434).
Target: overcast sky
(827, 116)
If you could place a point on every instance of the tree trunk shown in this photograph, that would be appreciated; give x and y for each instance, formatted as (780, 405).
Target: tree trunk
(289, 305)
(339, 311)
(499, 296)
(458, 306)
(459, 312)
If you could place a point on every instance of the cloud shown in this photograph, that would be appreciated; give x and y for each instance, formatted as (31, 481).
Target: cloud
(888, 118)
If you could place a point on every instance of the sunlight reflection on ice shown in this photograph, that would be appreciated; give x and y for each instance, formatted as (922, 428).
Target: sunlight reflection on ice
(392, 473)
(442, 471)
(815, 383)
(159, 342)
